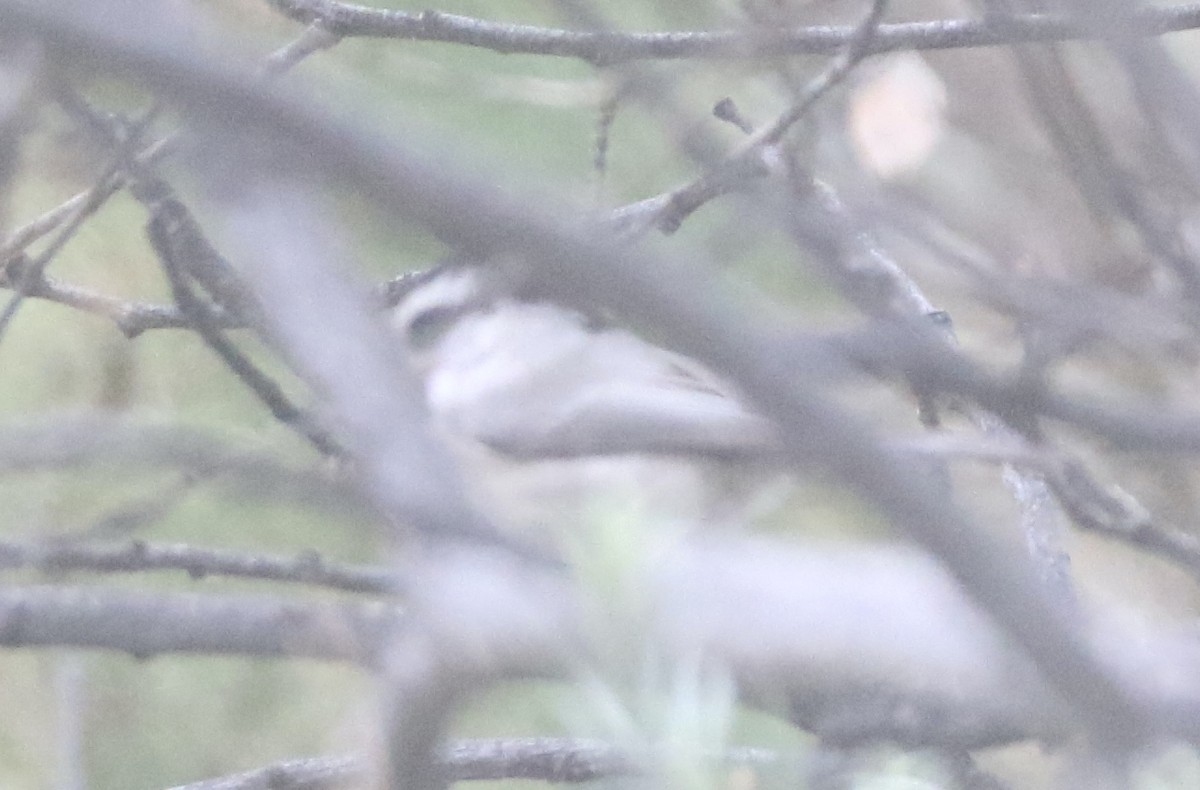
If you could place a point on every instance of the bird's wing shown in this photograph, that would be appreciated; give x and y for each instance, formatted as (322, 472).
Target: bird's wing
(630, 417)
(627, 396)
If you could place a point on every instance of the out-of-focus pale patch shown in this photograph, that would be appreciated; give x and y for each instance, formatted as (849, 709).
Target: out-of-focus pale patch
(19, 62)
(540, 91)
(897, 115)
(544, 92)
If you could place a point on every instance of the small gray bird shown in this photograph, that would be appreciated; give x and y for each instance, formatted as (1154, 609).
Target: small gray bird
(555, 413)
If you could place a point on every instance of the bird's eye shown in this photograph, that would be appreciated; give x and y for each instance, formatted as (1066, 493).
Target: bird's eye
(428, 327)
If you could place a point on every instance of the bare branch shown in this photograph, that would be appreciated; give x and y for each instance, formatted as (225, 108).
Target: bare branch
(914, 354)
(308, 568)
(857, 48)
(579, 267)
(858, 645)
(72, 441)
(345, 19)
(22, 237)
(185, 254)
(33, 270)
(313, 39)
(1109, 511)
(862, 645)
(311, 773)
(752, 160)
(145, 625)
(132, 318)
(557, 760)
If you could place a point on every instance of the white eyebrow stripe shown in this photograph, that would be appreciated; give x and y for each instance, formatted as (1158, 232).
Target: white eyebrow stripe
(450, 289)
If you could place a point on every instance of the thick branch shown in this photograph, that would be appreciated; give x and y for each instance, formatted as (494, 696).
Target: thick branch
(146, 625)
(72, 441)
(559, 760)
(855, 644)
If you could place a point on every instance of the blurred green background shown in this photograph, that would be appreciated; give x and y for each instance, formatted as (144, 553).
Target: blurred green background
(531, 123)
(168, 720)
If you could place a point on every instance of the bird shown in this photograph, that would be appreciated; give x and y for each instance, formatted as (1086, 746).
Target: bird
(559, 415)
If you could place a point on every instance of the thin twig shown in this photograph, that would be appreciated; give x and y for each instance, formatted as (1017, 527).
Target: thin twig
(308, 568)
(33, 271)
(314, 39)
(752, 159)
(172, 229)
(605, 47)
(27, 234)
(1090, 159)
(857, 48)
(132, 318)
(186, 254)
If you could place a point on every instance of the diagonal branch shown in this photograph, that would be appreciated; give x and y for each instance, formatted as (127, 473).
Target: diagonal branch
(578, 266)
(33, 270)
